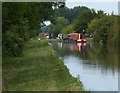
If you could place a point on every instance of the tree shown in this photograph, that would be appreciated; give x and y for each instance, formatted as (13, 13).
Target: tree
(57, 4)
(69, 14)
(21, 21)
(58, 25)
(69, 29)
(100, 27)
(113, 35)
(100, 14)
(83, 20)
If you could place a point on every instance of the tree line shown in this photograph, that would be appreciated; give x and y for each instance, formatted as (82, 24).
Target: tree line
(103, 26)
(64, 17)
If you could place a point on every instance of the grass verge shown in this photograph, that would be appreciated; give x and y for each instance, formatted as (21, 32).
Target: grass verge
(38, 69)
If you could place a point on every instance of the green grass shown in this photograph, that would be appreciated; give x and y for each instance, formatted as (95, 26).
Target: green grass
(88, 39)
(38, 69)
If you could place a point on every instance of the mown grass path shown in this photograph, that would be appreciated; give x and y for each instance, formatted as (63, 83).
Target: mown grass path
(38, 69)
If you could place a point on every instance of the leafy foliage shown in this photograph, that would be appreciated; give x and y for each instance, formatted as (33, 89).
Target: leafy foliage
(21, 21)
(69, 14)
(58, 25)
(69, 29)
(100, 27)
(83, 20)
(114, 32)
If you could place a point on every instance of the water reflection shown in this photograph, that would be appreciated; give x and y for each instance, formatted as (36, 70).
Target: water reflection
(78, 47)
(100, 56)
(97, 65)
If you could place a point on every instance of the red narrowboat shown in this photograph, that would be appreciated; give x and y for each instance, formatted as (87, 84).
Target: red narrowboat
(79, 38)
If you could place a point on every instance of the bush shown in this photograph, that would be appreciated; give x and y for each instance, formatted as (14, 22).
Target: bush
(100, 27)
(12, 45)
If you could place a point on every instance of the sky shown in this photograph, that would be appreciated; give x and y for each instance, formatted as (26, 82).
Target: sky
(107, 7)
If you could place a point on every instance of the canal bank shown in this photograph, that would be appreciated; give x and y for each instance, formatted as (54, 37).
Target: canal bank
(38, 69)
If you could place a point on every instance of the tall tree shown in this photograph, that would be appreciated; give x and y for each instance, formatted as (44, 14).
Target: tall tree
(20, 22)
(58, 25)
(100, 27)
(83, 20)
(69, 14)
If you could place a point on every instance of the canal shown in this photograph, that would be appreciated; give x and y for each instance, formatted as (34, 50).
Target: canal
(95, 65)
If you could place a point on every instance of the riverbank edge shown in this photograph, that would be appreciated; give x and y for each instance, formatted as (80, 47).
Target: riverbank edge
(64, 78)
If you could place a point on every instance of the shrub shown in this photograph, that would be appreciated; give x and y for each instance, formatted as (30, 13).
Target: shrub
(12, 45)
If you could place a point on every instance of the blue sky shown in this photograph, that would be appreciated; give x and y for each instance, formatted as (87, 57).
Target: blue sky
(107, 7)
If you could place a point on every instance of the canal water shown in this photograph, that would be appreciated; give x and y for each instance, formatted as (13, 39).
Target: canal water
(95, 65)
